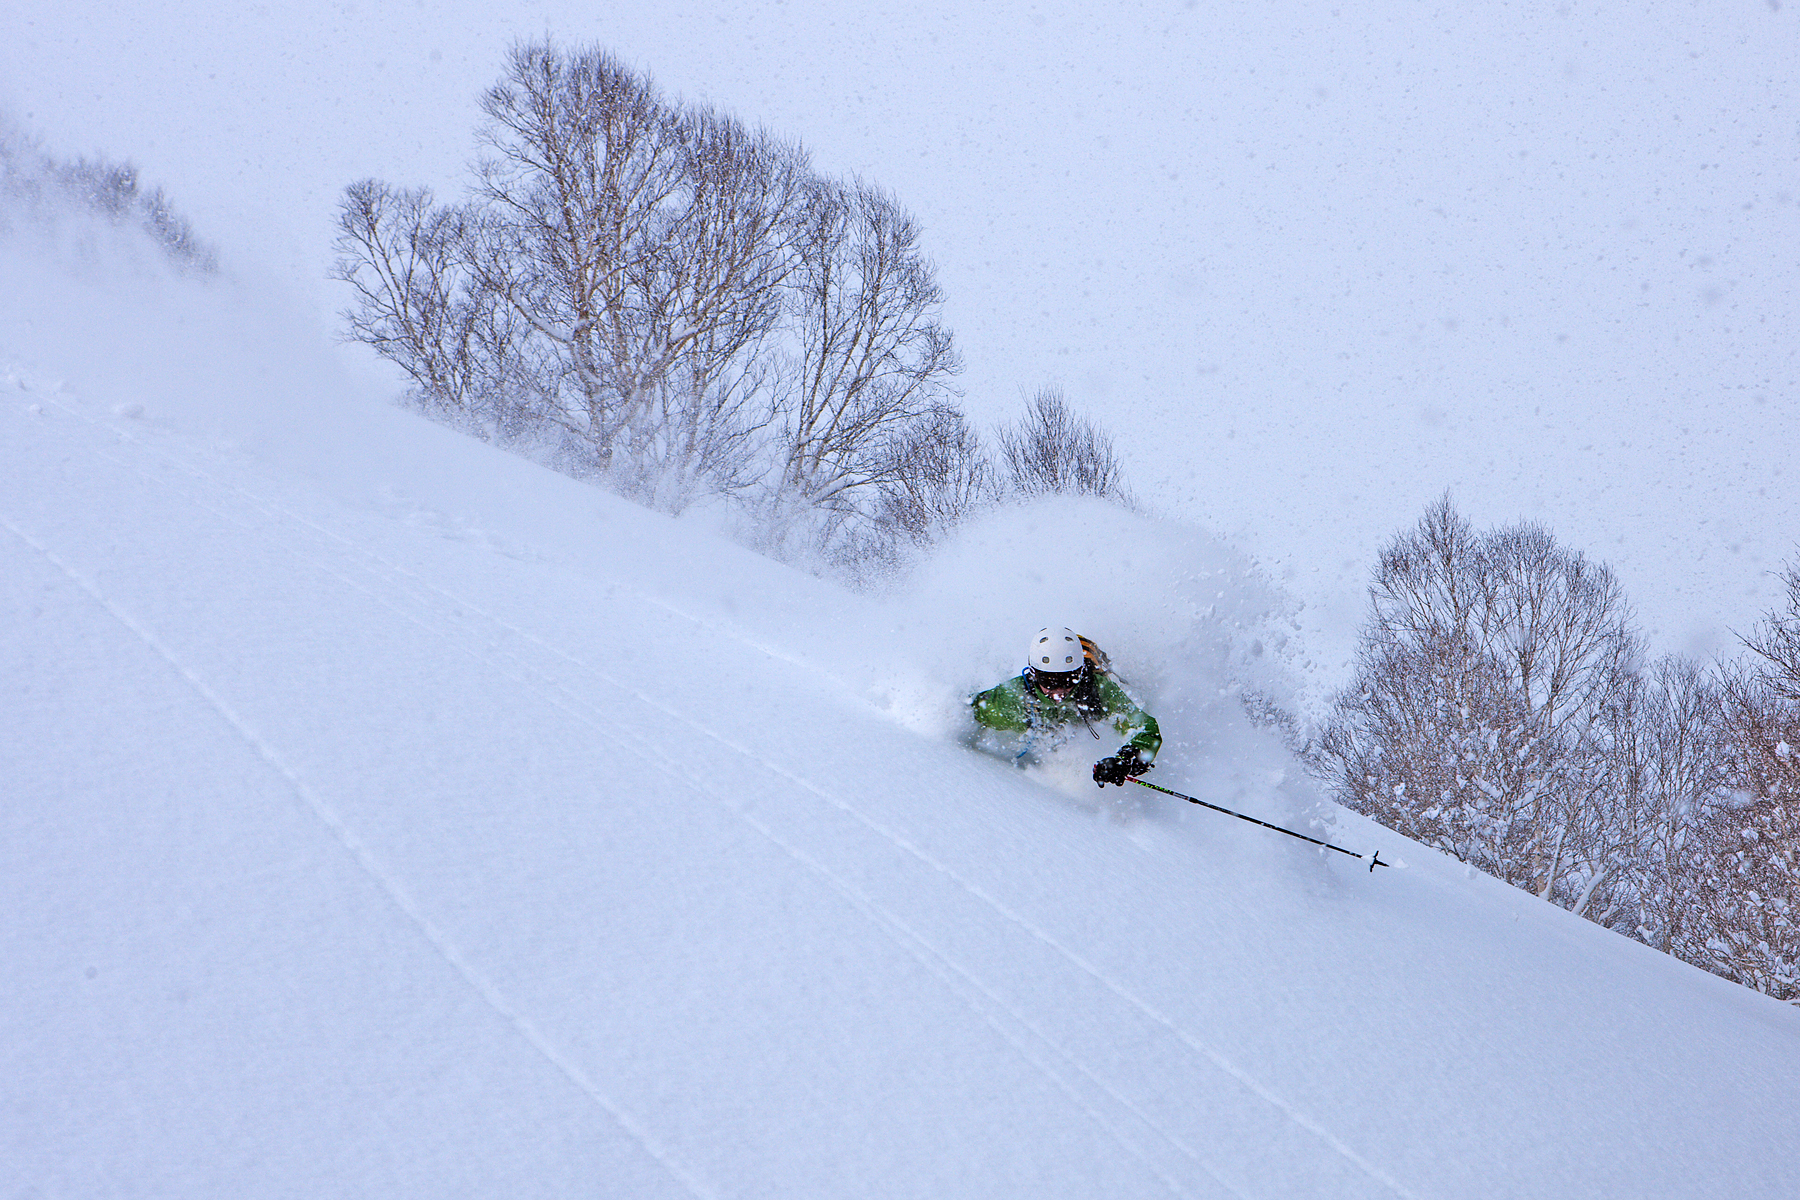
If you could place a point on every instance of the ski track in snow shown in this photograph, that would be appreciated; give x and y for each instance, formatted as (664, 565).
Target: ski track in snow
(971, 989)
(358, 850)
(904, 935)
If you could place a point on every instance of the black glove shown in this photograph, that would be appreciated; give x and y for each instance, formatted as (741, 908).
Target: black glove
(1122, 766)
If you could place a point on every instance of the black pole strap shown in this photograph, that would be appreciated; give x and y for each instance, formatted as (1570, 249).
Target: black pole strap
(1376, 862)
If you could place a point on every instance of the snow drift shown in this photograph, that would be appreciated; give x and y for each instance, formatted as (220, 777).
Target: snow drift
(387, 816)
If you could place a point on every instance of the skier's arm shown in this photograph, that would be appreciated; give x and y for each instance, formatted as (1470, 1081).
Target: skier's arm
(1002, 707)
(1132, 723)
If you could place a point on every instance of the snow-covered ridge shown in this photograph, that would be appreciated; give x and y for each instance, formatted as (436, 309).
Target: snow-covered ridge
(385, 815)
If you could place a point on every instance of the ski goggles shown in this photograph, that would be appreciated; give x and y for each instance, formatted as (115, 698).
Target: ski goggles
(1055, 684)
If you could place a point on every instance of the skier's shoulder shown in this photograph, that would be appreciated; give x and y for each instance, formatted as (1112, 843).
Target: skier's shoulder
(1112, 692)
(1008, 693)
(1008, 690)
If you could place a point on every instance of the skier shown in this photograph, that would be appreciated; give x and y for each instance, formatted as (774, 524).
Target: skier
(1066, 681)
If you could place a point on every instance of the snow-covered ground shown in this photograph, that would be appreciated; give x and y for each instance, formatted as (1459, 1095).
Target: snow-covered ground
(385, 816)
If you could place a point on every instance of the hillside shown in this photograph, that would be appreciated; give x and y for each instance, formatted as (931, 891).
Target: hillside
(387, 816)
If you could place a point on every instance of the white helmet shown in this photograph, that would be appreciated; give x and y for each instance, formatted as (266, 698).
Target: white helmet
(1055, 651)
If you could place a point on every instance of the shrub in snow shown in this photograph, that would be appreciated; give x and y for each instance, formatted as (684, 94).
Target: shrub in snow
(1051, 451)
(38, 187)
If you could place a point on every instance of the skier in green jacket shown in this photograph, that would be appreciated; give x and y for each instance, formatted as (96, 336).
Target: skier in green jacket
(1065, 684)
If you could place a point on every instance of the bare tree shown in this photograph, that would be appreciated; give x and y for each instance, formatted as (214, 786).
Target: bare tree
(1748, 885)
(584, 161)
(1499, 713)
(1051, 451)
(417, 304)
(1429, 740)
(646, 245)
(1476, 721)
(940, 476)
(709, 301)
(870, 358)
(1776, 643)
(682, 300)
(1667, 777)
(1561, 627)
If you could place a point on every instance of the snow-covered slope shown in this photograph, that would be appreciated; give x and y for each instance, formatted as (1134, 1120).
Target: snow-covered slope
(384, 816)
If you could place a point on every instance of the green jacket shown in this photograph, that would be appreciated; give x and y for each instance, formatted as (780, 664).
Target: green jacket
(1017, 707)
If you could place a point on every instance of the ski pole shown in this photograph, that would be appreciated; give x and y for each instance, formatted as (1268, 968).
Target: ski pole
(1278, 829)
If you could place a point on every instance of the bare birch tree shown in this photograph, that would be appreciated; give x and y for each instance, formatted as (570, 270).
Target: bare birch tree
(682, 300)
(871, 357)
(941, 475)
(1429, 740)
(418, 304)
(584, 160)
(1560, 624)
(646, 245)
(709, 299)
